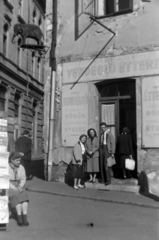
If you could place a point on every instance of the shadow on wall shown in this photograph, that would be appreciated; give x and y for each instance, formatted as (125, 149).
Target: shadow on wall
(37, 168)
(69, 175)
(144, 187)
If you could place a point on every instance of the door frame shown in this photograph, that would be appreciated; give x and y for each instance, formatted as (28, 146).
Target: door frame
(116, 101)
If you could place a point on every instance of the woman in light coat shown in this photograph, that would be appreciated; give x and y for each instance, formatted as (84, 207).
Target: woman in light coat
(79, 155)
(18, 197)
(92, 149)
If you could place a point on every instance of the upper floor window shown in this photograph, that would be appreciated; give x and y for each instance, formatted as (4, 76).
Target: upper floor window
(34, 16)
(106, 8)
(2, 98)
(33, 64)
(19, 52)
(39, 69)
(5, 39)
(20, 7)
(40, 22)
(16, 107)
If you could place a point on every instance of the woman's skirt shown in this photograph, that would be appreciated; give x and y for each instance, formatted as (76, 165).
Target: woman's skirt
(16, 197)
(93, 165)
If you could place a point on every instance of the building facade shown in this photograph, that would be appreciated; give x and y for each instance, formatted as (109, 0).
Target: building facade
(22, 73)
(108, 70)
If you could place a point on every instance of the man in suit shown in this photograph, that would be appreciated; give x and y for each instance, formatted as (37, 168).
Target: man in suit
(107, 149)
(23, 144)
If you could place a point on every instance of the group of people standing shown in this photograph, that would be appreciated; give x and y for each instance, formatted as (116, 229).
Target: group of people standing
(91, 153)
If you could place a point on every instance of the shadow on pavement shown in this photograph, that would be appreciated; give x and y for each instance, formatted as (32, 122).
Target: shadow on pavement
(150, 195)
(144, 187)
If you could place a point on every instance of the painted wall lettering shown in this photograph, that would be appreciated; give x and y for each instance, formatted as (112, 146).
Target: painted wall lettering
(138, 64)
(74, 113)
(150, 112)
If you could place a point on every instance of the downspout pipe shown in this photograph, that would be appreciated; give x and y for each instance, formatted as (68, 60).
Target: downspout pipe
(52, 91)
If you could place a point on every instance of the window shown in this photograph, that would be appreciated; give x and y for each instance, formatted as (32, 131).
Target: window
(39, 69)
(106, 8)
(2, 98)
(5, 39)
(16, 116)
(16, 108)
(20, 7)
(19, 52)
(40, 23)
(34, 16)
(33, 64)
(34, 125)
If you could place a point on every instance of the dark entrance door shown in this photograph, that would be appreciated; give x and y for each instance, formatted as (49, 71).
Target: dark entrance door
(118, 108)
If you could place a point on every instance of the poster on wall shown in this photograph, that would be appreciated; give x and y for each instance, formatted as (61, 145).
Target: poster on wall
(150, 112)
(74, 113)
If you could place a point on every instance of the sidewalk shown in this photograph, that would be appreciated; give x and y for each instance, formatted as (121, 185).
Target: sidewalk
(62, 189)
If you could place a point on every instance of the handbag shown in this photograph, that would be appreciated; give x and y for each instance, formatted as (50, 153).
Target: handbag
(111, 161)
(129, 164)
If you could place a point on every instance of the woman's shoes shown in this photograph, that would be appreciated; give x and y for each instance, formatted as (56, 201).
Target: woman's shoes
(25, 220)
(80, 186)
(26, 224)
(107, 183)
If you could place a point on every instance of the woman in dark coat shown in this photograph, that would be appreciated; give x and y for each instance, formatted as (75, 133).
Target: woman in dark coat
(92, 149)
(125, 149)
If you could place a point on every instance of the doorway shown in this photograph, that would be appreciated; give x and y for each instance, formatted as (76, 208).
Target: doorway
(117, 100)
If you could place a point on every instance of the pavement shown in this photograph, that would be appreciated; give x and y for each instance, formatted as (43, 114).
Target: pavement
(102, 194)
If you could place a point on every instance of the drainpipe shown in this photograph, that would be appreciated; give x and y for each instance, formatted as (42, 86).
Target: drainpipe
(27, 95)
(27, 69)
(52, 91)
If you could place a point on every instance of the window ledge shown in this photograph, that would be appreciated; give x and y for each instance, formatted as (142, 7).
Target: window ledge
(9, 5)
(20, 19)
(114, 14)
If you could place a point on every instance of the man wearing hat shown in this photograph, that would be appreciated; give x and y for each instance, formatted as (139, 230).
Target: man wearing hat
(23, 144)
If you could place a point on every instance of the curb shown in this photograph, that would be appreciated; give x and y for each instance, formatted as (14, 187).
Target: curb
(114, 187)
(95, 199)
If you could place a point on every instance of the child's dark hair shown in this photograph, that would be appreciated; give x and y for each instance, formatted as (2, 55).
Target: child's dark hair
(15, 155)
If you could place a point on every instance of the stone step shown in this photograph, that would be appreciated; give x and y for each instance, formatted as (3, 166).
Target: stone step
(114, 187)
(128, 181)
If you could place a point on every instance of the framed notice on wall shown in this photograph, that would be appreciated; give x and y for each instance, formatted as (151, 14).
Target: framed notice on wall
(150, 112)
(74, 113)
